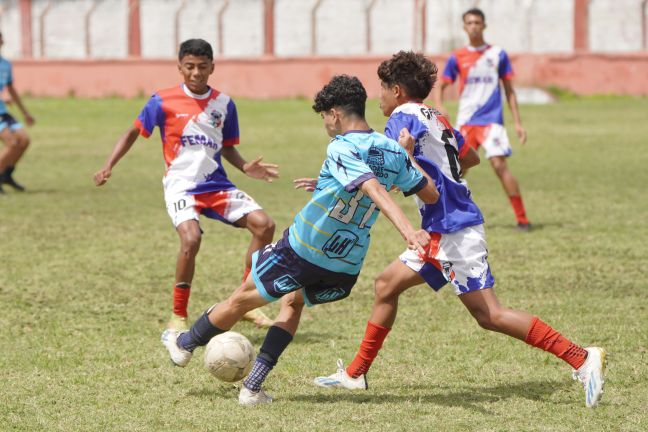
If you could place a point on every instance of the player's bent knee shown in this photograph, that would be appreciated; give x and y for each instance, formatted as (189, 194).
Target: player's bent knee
(383, 289)
(190, 244)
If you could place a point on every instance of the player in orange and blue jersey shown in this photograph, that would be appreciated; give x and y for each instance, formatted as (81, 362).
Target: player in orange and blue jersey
(12, 132)
(480, 68)
(198, 126)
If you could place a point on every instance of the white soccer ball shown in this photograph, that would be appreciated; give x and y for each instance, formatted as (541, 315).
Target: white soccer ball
(229, 356)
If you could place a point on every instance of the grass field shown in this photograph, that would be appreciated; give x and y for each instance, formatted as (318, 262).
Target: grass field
(86, 275)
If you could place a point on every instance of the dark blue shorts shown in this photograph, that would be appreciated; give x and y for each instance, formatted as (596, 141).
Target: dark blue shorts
(7, 121)
(277, 270)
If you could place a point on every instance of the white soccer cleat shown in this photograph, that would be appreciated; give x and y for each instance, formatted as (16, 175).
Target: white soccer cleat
(590, 374)
(179, 357)
(341, 379)
(249, 398)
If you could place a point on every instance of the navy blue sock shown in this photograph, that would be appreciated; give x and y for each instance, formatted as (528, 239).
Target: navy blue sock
(199, 334)
(274, 344)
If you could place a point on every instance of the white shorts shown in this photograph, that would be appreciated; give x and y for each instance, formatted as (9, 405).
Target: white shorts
(459, 258)
(493, 138)
(225, 206)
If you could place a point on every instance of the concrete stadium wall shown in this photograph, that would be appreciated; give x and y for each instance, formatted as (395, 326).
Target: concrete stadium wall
(304, 76)
(342, 27)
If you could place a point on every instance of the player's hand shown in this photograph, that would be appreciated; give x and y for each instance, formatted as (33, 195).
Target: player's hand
(308, 184)
(261, 170)
(418, 241)
(521, 133)
(406, 140)
(102, 176)
(29, 120)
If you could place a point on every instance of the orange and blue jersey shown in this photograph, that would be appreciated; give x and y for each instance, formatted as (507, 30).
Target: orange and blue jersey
(437, 150)
(479, 71)
(194, 129)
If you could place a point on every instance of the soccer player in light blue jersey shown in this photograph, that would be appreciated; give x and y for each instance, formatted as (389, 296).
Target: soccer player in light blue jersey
(320, 256)
(457, 252)
(12, 132)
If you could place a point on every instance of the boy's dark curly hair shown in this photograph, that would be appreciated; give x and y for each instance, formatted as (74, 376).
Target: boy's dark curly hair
(344, 92)
(195, 47)
(413, 72)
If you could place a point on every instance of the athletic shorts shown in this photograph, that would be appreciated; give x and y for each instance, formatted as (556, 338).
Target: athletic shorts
(459, 258)
(225, 206)
(492, 138)
(277, 270)
(7, 121)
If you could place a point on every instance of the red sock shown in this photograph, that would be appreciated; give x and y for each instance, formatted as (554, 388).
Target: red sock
(371, 344)
(544, 337)
(518, 208)
(246, 273)
(181, 293)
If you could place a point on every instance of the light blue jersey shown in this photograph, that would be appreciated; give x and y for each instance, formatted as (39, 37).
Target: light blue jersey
(332, 230)
(6, 78)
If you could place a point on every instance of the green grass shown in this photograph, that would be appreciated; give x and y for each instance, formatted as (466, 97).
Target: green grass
(86, 275)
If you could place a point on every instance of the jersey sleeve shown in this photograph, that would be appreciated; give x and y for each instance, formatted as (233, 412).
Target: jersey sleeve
(451, 70)
(346, 165)
(409, 179)
(505, 69)
(151, 115)
(399, 120)
(231, 126)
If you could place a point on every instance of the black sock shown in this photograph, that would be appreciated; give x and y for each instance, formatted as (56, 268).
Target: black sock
(274, 344)
(199, 334)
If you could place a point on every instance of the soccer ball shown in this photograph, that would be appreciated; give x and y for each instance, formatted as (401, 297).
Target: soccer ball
(229, 356)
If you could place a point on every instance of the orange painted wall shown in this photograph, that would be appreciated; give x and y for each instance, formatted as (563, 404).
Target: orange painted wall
(292, 77)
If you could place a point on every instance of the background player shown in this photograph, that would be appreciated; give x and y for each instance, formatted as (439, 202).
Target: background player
(480, 67)
(457, 252)
(198, 125)
(12, 133)
(320, 256)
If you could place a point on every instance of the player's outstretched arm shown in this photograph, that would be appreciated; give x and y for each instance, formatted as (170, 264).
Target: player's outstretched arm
(511, 98)
(416, 239)
(255, 169)
(122, 147)
(15, 97)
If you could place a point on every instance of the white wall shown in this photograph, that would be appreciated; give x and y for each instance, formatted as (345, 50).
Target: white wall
(615, 26)
(540, 26)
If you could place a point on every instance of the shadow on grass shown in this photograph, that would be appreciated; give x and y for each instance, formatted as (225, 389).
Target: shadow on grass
(471, 397)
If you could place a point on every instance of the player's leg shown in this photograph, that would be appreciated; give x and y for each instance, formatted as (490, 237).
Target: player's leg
(262, 228)
(190, 237)
(588, 364)
(279, 336)
(21, 144)
(389, 285)
(497, 148)
(216, 320)
(10, 144)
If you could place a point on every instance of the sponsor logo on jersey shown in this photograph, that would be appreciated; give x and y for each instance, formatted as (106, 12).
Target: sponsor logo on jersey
(340, 244)
(198, 139)
(216, 119)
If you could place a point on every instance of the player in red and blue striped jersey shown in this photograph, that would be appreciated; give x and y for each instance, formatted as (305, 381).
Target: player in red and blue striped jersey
(198, 126)
(480, 67)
